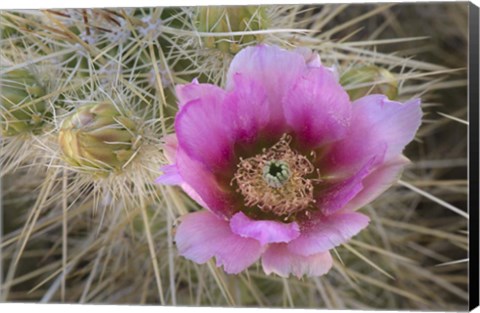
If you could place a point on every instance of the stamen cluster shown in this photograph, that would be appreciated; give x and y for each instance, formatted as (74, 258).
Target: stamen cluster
(276, 180)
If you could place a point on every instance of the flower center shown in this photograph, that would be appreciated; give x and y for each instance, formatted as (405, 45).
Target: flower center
(276, 173)
(276, 180)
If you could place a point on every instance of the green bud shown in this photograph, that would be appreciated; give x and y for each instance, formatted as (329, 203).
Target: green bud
(18, 89)
(98, 136)
(370, 74)
(231, 19)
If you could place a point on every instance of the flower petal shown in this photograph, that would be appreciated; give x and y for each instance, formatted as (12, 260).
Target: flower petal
(335, 197)
(377, 182)
(312, 59)
(202, 235)
(202, 132)
(204, 184)
(279, 260)
(394, 122)
(263, 231)
(170, 147)
(376, 122)
(317, 108)
(170, 176)
(323, 234)
(178, 181)
(193, 194)
(247, 109)
(194, 91)
(275, 68)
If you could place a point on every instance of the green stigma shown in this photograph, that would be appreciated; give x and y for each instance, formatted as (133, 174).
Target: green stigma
(276, 173)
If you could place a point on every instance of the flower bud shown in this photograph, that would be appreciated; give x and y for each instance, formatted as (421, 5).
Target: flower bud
(98, 136)
(387, 84)
(18, 89)
(231, 19)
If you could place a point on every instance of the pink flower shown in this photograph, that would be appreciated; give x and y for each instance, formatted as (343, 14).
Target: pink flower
(281, 160)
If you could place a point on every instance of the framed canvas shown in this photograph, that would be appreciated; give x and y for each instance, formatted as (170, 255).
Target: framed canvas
(320, 156)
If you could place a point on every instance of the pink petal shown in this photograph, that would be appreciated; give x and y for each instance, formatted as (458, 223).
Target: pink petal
(194, 91)
(263, 231)
(339, 194)
(376, 123)
(202, 235)
(317, 108)
(395, 122)
(312, 59)
(247, 109)
(193, 194)
(203, 134)
(201, 182)
(170, 147)
(279, 260)
(275, 68)
(170, 176)
(377, 182)
(323, 234)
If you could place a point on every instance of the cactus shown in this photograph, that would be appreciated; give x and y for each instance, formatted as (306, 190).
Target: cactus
(374, 79)
(22, 110)
(231, 19)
